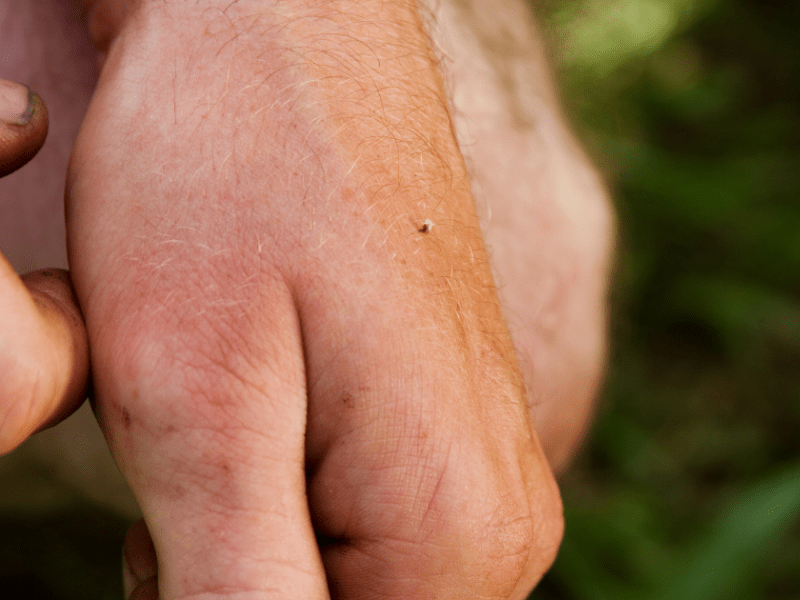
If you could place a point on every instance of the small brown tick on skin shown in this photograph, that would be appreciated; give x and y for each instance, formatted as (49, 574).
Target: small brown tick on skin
(426, 226)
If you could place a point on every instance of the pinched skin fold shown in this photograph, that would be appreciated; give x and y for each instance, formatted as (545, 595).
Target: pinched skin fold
(280, 348)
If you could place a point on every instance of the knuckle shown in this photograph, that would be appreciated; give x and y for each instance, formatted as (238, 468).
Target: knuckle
(523, 525)
(518, 544)
(510, 531)
(600, 218)
(550, 527)
(505, 546)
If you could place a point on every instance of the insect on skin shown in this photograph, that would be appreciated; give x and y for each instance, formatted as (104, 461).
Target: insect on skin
(426, 226)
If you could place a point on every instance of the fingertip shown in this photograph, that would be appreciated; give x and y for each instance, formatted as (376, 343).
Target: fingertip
(24, 122)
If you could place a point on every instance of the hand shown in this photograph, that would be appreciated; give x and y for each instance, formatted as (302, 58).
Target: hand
(43, 347)
(294, 328)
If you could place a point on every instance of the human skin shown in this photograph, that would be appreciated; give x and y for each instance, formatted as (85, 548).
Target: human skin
(472, 411)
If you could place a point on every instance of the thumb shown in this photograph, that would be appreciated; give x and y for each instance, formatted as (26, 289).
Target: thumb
(43, 349)
(44, 358)
(23, 125)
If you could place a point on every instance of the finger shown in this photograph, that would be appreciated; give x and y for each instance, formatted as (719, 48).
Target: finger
(43, 353)
(23, 125)
(147, 590)
(426, 479)
(139, 562)
(206, 416)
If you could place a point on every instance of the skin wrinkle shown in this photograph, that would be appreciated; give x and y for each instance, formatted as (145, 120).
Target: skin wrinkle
(231, 338)
(434, 494)
(237, 565)
(220, 486)
(21, 411)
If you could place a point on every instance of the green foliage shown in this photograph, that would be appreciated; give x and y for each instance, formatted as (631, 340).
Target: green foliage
(71, 555)
(726, 556)
(689, 486)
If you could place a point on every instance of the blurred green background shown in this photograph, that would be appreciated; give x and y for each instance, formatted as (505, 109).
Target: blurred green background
(689, 485)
